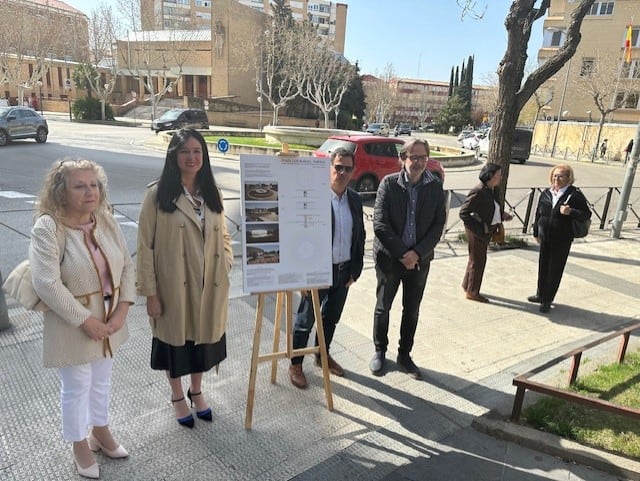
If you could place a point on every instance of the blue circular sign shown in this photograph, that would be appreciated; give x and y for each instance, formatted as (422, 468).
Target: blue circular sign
(223, 145)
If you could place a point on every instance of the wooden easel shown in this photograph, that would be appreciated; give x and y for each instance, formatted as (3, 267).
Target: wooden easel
(283, 297)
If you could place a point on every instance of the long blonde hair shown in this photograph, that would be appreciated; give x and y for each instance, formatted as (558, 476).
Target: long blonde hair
(53, 196)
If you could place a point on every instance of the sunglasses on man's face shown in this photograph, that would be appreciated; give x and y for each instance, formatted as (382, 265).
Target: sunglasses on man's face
(339, 168)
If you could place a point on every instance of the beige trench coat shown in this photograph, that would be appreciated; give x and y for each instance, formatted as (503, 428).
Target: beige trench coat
(186, 269)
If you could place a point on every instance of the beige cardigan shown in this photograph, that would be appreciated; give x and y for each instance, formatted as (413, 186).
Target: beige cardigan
(186, 269)
(73, 291)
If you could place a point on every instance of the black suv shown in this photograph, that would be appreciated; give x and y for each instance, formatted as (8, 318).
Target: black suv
(175, 119)
(402, 129)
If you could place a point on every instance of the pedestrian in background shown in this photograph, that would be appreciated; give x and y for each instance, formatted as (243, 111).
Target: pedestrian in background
(348, 236)
(627, 151)
(603, 148)
(88, 283)
(481, 214)
(552, 229)
(184, 259)
(408, 218)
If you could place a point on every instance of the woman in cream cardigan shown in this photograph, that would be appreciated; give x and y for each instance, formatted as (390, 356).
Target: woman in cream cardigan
(184, 259)
(88, 285)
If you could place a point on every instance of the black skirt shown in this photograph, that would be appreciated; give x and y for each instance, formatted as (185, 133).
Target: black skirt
(187, 359)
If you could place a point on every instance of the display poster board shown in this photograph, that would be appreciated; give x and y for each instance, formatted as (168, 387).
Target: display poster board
(286, 223)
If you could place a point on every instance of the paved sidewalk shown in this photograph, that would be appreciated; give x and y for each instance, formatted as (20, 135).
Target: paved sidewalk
(382, 428)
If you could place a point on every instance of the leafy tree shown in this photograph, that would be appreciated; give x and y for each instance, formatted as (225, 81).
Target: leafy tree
(353, 103)
(453, 114)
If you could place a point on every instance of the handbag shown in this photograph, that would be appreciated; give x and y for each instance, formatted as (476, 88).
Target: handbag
(580, 227)
(19, 283)
(498, 235)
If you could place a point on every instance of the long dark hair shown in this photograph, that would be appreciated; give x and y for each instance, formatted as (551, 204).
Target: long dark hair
(170, 184)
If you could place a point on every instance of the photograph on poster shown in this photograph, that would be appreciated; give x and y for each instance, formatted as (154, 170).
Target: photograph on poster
(263, 254)
(262, 233)
(264, 191)
(262, 212)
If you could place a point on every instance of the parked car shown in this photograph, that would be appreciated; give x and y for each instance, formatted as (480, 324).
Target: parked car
(374, 156)
(175, 119)
(520, 149)
(464, 134)
(379, 129)
(472, 141)
(402, 129)
(22, 123)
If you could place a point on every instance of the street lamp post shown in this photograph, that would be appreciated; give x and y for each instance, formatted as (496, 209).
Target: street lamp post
(260, 103)
(336, 112)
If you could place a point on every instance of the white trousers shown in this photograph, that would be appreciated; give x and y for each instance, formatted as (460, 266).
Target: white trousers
(84, 395)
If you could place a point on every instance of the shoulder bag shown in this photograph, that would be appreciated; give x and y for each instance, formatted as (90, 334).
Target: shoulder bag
(580, 227)
(19, 284)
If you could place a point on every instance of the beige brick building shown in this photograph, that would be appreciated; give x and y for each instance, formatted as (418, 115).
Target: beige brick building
(329, 17)
(35, 33)
(603, 37)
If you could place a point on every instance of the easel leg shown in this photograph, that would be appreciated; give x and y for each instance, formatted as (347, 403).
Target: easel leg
(248, 419)
(322, 348)
(276, 335)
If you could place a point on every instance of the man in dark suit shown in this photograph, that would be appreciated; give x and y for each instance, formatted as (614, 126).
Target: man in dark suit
(408, 218)
(347, 226)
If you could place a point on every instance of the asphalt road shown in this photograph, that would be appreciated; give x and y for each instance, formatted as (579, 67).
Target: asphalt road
(132, 157)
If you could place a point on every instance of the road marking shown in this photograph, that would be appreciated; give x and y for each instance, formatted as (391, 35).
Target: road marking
(10, 194)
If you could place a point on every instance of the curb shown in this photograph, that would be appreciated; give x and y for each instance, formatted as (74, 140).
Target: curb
(553, 445)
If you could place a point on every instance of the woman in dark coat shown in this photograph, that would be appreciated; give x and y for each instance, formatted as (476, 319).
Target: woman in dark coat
(481, 214)
(552, 228)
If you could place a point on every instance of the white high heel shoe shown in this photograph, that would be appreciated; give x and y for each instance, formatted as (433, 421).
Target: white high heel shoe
(96, 445)
(92, 471)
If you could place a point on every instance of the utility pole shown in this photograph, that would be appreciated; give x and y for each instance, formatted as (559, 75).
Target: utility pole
(4, 314)
(623, 202)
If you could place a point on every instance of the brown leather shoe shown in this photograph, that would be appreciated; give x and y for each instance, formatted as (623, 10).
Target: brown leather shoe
(477, 297)
(334, 367)
(297, 377)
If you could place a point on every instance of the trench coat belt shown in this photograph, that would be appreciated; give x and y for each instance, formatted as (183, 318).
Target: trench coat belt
(106, 345)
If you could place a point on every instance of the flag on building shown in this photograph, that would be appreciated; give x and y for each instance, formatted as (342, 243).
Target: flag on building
(627, 45)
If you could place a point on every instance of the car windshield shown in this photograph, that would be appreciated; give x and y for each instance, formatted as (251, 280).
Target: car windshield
(375, 126)
(171, 114)
(330, 145)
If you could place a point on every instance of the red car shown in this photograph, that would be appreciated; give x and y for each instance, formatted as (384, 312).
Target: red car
(375, 157)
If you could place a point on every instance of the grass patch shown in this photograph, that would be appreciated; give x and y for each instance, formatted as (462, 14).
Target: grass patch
(257, 142)
(616, 383)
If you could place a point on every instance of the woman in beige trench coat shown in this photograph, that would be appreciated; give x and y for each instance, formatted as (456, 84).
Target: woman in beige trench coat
(184, 258)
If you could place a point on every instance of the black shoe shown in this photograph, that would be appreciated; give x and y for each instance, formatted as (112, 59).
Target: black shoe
(407, 365)
(545, 307)
(186, 421)
(205, 414)
(377, 362)
(535, 299)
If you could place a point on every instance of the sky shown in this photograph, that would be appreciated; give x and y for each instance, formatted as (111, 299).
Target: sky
(419, 38)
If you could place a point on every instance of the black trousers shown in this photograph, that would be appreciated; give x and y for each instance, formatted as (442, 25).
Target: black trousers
(553, 258)
(390, 273)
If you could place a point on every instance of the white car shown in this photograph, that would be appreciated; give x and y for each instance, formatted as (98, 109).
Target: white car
(379, 129)
(473, 141)
(464, 134)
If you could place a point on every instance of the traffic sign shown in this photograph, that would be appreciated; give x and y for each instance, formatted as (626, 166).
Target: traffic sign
(223, 145)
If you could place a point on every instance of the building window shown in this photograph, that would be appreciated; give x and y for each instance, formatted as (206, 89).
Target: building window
(553, 38)
(602, 8)
(587, 67)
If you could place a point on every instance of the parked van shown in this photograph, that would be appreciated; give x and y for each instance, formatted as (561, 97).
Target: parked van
(175, 119)
(519, 150)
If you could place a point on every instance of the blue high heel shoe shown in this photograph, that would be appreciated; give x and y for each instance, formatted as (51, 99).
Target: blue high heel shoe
(205, 414)
(186, 421)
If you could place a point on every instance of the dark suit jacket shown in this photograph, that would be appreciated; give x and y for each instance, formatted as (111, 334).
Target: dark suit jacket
(550, 224)
(390, 217)
(358, 233)
(477, 210)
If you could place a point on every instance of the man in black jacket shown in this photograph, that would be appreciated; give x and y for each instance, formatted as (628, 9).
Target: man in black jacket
(348, 238)
(409, 215)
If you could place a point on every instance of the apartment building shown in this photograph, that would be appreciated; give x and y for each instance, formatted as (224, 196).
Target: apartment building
(41, 36)
(420, 101)
(603, 41)
(329, 17)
